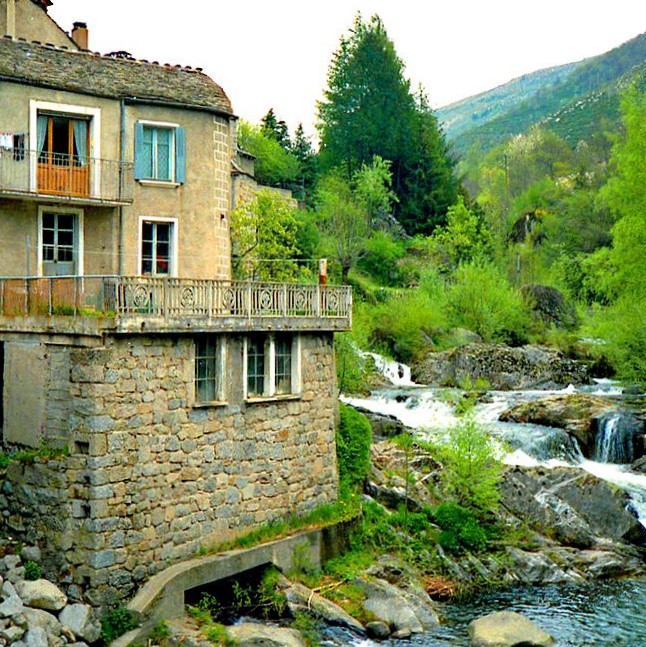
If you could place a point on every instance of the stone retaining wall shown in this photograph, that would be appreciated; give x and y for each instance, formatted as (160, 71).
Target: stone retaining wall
(152, 477)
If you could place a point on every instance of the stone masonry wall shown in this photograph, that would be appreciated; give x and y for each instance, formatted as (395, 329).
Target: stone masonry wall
(152, 477)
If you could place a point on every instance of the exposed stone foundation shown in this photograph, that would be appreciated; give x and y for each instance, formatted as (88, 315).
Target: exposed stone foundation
(151, 477)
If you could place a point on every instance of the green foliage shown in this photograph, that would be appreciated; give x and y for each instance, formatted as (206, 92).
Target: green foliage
(353, 440)
(464, 238)
(351, 366)
(392, 123)
(264, 236)
(461, 529)
(309, 627)
(274, 165)
(117, 622)
(381, 258)
(217, 635)
(482, 300)
(160, 632)
(29, 456)
(471, 467)
(32, 571)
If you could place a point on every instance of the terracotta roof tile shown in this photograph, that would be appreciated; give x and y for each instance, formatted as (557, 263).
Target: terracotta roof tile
(106, 76)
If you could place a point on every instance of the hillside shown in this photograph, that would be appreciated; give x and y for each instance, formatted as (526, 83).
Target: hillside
(576, 100)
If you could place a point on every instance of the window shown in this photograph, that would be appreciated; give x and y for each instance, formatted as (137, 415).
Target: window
(158, 252)
(209, 361)
(160, 152)
(60, 242)
(255, 366)
(272, 365)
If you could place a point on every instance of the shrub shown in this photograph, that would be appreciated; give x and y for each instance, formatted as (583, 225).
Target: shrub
(353, 440)
(460, 529)
(482, 300)
(32, 571)
(351, 368)
(381, 258)
(117, 622)
(471, 468)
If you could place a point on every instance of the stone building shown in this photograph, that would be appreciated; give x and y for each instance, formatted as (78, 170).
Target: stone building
(193, 407)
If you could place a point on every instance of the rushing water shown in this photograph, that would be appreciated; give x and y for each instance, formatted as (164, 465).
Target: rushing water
(608, 614)
(603, 614)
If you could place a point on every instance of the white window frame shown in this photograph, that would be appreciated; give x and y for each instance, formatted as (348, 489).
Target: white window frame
(270, 368)
(173, 154)
(79, 246)
(221, 354)
(174, 243)
(67, 110)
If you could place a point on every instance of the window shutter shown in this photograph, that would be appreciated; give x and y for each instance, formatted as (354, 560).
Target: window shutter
(180, 155)
(140, 171)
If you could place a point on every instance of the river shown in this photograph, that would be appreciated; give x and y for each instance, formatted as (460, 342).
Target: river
(609, 613)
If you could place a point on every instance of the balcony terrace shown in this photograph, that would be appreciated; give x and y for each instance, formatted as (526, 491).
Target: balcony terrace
(56, 177)
(91, 305)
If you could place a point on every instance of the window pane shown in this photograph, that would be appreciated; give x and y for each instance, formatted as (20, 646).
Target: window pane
(163, 153)
(255, 366)
(207, 370)
(283, 366)
(147, 153)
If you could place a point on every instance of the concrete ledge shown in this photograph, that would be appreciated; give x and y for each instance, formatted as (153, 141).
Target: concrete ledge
(162, 597)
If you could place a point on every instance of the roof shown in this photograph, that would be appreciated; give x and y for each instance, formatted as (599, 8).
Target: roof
(107, 76)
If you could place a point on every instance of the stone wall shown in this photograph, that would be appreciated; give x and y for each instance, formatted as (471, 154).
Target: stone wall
(152, 477)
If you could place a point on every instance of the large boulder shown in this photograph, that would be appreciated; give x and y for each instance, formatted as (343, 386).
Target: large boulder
(507, 629)
(570, 505)
(81, 621)
(301, 599)
(579, 414)
(504, 367)
(250, 634)
(549, 305)
(41, 594)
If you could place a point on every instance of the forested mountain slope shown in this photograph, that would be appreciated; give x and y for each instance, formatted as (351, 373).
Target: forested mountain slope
(575, 100)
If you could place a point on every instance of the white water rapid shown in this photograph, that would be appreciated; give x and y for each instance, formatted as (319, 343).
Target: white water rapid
(431, 411)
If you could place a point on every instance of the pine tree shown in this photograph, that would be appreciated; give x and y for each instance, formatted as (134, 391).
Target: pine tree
(368, 109)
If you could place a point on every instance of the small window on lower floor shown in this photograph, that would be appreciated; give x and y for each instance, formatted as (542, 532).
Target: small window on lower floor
(272, 365)
(209, 362)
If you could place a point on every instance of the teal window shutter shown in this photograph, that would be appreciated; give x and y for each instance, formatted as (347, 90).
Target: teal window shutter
(180, 155)
(140, 160)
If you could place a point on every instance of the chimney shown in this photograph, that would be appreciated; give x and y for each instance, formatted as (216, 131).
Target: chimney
(80, 35)
(10, 27)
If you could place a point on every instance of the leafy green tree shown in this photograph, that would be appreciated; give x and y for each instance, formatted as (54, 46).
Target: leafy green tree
(274, 165)
(482, 300)
(624, 323)
(276, 129)
(471, 467)
(369, 110)
(463, 238)
(264, 236)
(348, 210)
(303, 151)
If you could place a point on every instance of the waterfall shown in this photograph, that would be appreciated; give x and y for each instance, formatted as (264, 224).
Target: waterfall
(614, 442)
(396, 373)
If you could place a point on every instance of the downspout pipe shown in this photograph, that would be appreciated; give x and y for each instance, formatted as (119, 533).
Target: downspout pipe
(122, 178)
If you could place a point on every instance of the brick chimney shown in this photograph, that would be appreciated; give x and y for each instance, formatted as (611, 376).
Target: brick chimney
(80, 35)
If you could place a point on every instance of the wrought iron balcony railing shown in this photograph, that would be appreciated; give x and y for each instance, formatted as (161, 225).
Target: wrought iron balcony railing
(25, 172)
(125, 297)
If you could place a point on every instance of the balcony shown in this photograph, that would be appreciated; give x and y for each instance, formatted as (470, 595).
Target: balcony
(56, 177)
(151, 304)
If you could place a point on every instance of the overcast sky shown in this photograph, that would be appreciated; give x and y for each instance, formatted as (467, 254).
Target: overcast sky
(275, 53)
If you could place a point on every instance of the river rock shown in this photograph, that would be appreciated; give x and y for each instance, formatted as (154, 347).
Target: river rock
(507, 629)
(80, 620)
(570, 505)
(538, 568)
(250, 634)
(301, 599)
(577, 414)
(504, 367)
(388, 605)
(41, 594)
(378, 630)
